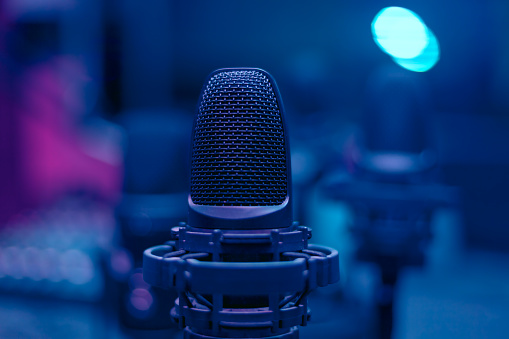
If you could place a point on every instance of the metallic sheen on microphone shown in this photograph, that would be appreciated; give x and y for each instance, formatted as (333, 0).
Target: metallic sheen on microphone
(240, 171)
(242, 267)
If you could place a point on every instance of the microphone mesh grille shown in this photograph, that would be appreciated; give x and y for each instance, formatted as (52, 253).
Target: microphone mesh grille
(239, 156)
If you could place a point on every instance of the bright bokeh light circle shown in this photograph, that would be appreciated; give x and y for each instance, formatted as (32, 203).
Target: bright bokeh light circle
(424, 61)
(400, 32)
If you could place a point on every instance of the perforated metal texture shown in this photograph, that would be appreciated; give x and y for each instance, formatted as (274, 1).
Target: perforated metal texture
(239, 156)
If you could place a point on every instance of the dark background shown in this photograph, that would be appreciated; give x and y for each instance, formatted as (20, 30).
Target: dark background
(97, 100)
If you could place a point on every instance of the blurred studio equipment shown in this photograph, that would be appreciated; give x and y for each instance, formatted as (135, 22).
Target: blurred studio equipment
(67, 177)
(241, 266)
(68, 161)
(154, 195)
(154, 199)
(393, 188)
(58, 142)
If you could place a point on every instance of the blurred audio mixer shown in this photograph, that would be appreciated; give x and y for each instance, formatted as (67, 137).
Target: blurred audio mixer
(52, 276)
(56, 252)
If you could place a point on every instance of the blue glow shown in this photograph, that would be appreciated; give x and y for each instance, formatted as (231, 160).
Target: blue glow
(424, 61)
(403, 35)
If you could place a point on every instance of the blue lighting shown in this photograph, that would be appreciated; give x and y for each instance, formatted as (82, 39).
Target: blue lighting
(424, 61)
(403, 35)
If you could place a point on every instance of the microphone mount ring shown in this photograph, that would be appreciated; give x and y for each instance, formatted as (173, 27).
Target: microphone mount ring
(272, 291)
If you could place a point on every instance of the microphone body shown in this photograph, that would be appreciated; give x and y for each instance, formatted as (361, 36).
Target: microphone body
(241, 266)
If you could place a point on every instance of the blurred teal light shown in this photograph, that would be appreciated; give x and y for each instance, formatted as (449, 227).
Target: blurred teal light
(403, 35)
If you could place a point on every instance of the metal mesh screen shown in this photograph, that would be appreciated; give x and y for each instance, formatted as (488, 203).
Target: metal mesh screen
(239, 156)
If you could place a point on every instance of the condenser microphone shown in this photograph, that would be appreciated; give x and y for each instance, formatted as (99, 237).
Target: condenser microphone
(242, 267)
(240, 170)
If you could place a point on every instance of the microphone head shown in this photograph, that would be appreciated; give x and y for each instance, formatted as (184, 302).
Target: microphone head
(240, 168)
